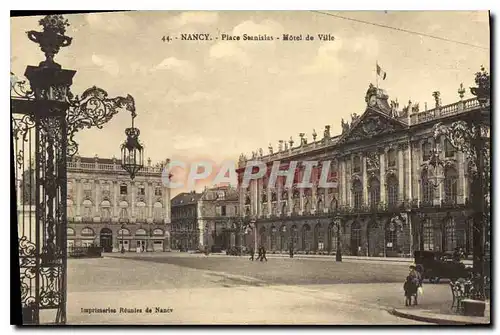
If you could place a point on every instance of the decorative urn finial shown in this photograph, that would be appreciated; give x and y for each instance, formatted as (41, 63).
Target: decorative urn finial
(52, 38)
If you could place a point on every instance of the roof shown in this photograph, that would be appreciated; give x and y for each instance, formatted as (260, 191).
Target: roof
(185, 198)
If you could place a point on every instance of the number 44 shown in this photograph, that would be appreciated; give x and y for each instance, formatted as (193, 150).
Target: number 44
(165, 38)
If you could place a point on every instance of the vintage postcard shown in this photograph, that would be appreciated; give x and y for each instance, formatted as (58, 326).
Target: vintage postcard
(251, 167)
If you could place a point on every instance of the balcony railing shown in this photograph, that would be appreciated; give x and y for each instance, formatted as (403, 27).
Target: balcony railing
(109, 167)
(444, 111)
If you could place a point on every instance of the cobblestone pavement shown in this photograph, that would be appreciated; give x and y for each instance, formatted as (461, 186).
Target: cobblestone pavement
(236, 291)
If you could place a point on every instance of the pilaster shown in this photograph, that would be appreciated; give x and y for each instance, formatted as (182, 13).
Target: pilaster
(401, 175)
(365, 180)
(383, 184)
(78, 187)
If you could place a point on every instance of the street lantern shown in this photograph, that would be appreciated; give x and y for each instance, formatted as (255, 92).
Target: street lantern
(132, 150)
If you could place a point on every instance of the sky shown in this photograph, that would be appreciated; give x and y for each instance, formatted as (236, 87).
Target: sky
(217, 99)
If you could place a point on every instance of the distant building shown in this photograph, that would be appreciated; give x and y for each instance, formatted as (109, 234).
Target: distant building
(205, 219)
(105, 207)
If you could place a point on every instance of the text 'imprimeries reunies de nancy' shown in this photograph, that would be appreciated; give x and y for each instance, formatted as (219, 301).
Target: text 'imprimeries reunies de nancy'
(125, 310)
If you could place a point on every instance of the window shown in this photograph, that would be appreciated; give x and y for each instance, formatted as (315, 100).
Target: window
(428, 235)
(357, 192)
(218, 210)
(273, 238)
(449, 150)
(158, 211)
(87, 232)
(105, 187)
(374, 192)
(391, 158)
(70, 188)
(236, 210)
(356, 164)
(427, 189)
(141, 211)
(87, 190)
(123, 213)
(391, 238)
(158, 191)
(426, 151)
(123, 189)
(392, 191)
(223, 210)
(141, 190)
(450, 186)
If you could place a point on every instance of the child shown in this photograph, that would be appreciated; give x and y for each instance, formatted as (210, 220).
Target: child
(410, 288)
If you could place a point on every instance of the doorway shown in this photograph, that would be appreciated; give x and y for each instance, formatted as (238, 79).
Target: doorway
(106, 240)
(355, 238)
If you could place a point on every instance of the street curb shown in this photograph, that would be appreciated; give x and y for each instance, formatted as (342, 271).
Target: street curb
(435, 320)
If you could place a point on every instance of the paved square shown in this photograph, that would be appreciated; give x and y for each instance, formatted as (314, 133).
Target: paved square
(195, 289)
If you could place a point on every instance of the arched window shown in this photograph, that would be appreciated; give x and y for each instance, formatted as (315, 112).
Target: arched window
(70, 231)
(87, 210)
(273, 238)
(141, 211)
(450, 186)
(158, 232)
(356, 164)
(332, 237)
(391, 158)
(450, 234)
(427, 189)
(158, 211)
(374, 192)
(320, 204)
(105, 210)
(140, 232)
(123, 232)
(357, 193)
(306, 237)
(392, 191)
(123, 211)
(318, 243)
(283, 241)
(391, 237)
(428, 235)
(87, 232)
(294, 236)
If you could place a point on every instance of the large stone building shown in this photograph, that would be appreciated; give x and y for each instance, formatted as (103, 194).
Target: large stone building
(107, 208)
(209, 218)
(389, 199)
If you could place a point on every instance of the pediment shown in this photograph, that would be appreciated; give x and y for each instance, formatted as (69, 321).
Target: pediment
(371, 124)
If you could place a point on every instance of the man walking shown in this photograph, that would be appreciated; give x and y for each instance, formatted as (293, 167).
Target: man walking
(252, 253)
(291, 250)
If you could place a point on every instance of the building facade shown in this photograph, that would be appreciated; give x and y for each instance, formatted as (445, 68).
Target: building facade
(184, 228)
(107, 208)
(389, 199)
(207, 219)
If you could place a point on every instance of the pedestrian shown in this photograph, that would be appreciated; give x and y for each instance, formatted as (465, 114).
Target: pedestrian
(263, 254)
(252, 253)
(260, 253)
(410, 289)
(291, 251)
(416, 280)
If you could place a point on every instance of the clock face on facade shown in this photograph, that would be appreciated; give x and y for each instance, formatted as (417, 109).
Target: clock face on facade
(373, 100)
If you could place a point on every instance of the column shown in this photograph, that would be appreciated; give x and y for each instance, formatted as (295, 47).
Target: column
(269, 202)
(78, 187)
(401, 176)
(462, 181)
(348, 183)
(418, 172)
(132, 201)
(97, 189)
(290, 200)
(382, 176)
(365, 180)
(343, 178)
(115, 199)
(409, 173)
(150, 188)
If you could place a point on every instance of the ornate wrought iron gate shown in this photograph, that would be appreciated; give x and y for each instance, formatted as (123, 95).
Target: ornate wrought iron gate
(45, 118)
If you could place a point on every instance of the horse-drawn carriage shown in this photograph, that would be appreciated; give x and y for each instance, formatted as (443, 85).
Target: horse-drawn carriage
(435, 265)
